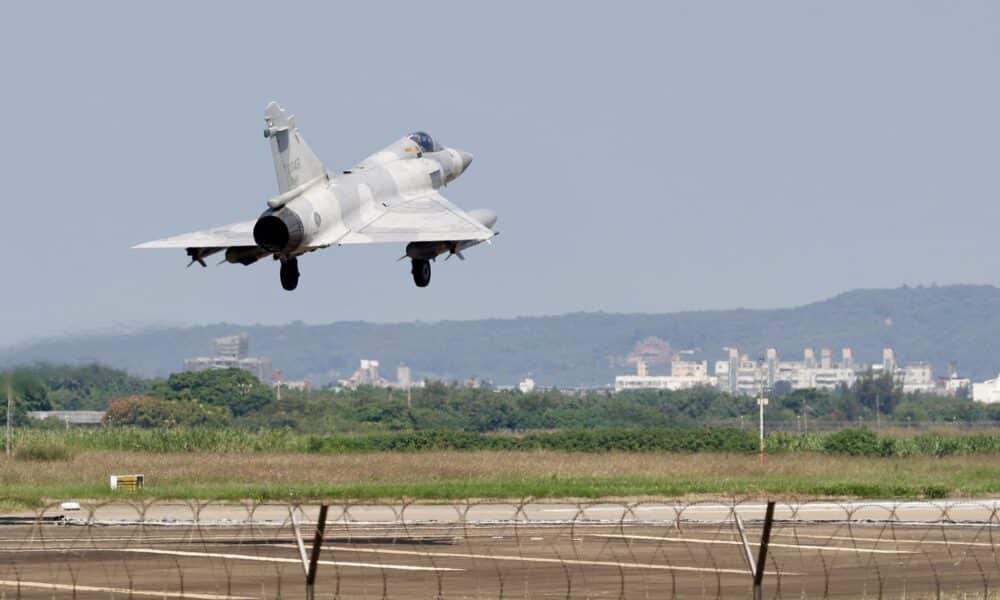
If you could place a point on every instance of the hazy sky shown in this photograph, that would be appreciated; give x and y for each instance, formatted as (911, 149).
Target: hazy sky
(642, 157)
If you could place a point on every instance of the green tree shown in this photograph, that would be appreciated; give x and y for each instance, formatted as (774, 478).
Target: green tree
(28, 392)
(234, 389)
(877, 389)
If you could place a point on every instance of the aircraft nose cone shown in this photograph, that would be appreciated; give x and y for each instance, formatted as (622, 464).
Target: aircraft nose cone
(466, 158)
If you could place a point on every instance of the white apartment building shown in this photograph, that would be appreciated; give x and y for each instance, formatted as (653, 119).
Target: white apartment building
(738, 375)
(917, 378)
(987, 391)
(684, 375)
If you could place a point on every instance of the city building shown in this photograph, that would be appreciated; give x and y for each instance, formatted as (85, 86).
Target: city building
(953, 385)
(684, 374)
(527, 385)
(987, 391)
(279, 383)
(846, 358)
(888, 360)
(917, 378)
(696, 369)
(231, 352)
(233, 346)
(366, 374)
(956, 386)
(404, 379)
(738, 375)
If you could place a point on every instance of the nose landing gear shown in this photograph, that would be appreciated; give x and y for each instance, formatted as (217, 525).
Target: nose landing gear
(421, 269)
(290, 273)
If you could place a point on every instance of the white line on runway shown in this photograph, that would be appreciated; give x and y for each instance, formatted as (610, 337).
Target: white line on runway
(65, 587)
(563, 561)
(736, 543)
(888, 540)
(279, 559)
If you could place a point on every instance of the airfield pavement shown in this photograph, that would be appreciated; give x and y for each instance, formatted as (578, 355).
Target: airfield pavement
(501, 550)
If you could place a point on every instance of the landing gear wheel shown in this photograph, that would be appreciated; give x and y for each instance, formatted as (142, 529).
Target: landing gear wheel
(290, 274)
(421, 272)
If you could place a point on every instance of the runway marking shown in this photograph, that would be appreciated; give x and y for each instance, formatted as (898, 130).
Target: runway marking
(147, 539)
(890, 540)
(65, 587)
(736, 543)
(562, 561)
(278, 559)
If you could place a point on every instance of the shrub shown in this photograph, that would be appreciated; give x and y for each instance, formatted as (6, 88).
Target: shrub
(153, 413)
(42, 450)
(583, 440)
(854, 442)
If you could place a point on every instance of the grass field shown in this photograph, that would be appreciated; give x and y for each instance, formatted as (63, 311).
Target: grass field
(486, 474)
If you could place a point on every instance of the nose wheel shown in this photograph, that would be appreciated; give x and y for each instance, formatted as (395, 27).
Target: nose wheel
(421, 269)
(290, 273)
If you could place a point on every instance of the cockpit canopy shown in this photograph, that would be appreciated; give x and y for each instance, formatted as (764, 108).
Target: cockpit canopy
(425, 141)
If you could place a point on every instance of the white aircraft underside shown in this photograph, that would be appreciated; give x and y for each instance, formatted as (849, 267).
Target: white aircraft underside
(391, 196)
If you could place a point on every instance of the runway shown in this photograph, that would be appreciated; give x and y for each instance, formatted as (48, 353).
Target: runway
(501, 550)
(167, 512)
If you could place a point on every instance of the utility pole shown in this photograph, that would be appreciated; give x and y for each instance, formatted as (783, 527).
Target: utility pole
(761, 403)
(10, 416)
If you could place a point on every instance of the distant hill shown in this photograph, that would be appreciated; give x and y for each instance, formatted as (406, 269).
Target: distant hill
(933, 324)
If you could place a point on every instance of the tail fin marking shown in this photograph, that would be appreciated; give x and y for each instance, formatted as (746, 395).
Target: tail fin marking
(294, 162)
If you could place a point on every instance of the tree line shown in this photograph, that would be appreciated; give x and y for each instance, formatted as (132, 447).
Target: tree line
(235, 398)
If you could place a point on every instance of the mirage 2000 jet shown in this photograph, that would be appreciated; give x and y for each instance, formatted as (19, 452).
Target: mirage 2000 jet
(391, 196)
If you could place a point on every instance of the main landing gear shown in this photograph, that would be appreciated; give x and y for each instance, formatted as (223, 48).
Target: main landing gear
(421, 270)
(290, 273)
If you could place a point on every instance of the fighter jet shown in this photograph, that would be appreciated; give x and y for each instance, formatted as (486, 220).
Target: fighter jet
(391, 196)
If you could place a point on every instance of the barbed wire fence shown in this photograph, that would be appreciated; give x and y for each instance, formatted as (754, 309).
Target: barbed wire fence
(143, 548)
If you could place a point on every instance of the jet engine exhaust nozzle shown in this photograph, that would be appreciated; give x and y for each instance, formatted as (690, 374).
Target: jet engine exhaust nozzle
(279, 231)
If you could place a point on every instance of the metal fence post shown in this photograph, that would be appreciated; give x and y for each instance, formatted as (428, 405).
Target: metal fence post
(314, 555)
(765, 539)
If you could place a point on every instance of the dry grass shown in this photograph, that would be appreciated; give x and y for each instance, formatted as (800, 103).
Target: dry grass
(501, 474)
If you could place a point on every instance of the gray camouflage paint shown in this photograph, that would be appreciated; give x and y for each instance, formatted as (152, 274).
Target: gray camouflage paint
(390, 196)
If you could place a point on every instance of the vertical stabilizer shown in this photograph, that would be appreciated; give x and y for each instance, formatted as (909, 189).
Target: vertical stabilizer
(294, 162)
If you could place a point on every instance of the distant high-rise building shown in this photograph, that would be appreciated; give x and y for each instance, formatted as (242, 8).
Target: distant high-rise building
(847, 358)
(403, 378)
(641, 369)
(734, 369)
(826, 358)
(888, 361)
(232, 346)
(231, 352)
(772, 367)
(367, 374)
(809, 358)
